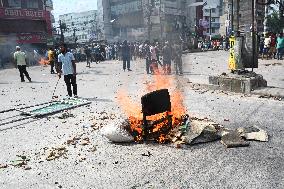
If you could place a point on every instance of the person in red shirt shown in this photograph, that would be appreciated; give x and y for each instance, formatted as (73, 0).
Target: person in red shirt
(272, 50)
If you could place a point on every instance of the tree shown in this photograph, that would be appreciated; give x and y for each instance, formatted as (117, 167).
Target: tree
(274, 23)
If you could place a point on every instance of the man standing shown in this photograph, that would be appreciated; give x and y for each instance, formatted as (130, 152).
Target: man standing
(20, 60)
(125, 53)
(154, 59)
(178, 58)
(167, 58)
(51, 58)
(280, 46)
(147, 53)
(88, 56)
(267, 42)
(67, 67)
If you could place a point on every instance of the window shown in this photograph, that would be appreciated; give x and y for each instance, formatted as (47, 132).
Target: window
(15, 3)
(213, 10)
(32, 4)
(213, 20)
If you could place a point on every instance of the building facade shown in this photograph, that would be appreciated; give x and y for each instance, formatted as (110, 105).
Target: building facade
(243, 19)
(25, 22)
(212, 10)
(80, 27)
(141, 19)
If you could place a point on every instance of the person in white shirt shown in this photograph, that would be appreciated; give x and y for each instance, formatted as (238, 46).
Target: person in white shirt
(67, 67)
(21, 62)
(267, 42)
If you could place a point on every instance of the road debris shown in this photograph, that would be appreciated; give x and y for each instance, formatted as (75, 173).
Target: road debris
(3, 166)
(148, 154)
(22, 162)
(116, 132)
(233, 139)
(55, 153)
(254, 133)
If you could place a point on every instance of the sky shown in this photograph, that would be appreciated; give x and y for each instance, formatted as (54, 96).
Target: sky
(67, 6)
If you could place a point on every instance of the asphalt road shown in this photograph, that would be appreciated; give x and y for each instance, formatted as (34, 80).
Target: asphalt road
(110, 165)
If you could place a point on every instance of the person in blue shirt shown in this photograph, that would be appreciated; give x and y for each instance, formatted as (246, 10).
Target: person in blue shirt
(67, 68)
(125, 54)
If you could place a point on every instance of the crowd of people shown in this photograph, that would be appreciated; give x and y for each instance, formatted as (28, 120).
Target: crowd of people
(216, 44)
(271, 46)
(158, 56)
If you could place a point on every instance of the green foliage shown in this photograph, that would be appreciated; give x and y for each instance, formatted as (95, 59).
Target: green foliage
(274, 23)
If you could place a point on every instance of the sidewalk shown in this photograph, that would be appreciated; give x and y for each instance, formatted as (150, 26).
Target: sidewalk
(204, 64)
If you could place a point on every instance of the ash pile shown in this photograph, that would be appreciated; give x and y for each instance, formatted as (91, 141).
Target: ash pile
(158, 123)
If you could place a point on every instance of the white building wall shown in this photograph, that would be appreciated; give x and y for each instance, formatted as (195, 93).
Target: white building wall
(84, 24)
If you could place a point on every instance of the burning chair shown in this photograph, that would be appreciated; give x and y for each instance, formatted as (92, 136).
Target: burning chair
(157, 102)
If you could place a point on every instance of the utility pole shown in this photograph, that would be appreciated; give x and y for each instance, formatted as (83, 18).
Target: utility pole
(210, 22)
(265, 22)
(253, 33)
(238, 15)
(232, 15)
(61, 32)
(148, 15)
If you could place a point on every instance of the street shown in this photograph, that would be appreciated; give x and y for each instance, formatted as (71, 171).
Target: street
(108, 165)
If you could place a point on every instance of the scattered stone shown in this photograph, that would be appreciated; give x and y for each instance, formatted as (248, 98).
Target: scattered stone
(3, 166)
(202, 131)
(85, 141)
(233, 139)
(82, 158)
(26, 167)
(92, 149)
(253, 133)
(56, 153)
(23, 161)
(147, 155)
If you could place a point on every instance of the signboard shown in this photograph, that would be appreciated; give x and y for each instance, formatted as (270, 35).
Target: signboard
(232, 62)
(25, 38)
(24, 14)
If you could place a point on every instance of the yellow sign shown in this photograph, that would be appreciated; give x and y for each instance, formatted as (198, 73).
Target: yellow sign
(232, 60)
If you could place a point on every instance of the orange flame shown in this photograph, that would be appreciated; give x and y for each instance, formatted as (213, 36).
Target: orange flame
(43, 62)
(133, 109)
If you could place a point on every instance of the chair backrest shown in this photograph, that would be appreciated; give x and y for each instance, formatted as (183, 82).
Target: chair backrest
(156, 102)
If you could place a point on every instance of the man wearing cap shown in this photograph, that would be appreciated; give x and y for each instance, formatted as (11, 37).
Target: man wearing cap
(20, 60)
(67, 67)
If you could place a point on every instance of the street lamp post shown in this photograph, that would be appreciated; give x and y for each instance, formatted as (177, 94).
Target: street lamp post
(232, 15)
(210, 21)
(253, 33)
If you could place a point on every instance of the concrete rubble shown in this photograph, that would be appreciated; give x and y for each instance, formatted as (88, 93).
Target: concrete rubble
(116, 132)
(199, 131)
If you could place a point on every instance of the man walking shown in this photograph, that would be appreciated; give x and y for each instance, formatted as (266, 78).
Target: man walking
(178, 58)
(88, 56)
(167, 58)
(280, 46)
(51, 59)
(21, 62)
(67, 67)
(147, 53)
(125, 53)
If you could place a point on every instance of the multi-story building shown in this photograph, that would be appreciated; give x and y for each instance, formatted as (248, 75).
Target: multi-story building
(243, 17)
(104, 19)
(133, 20)
(194, 17)
(212, 10)
(25, 23)
(80, 27)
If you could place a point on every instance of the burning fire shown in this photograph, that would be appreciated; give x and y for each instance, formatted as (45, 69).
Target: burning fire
(43, 62)
(134, 113)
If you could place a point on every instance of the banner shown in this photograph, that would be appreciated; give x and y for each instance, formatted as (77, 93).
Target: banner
(232, 62)
(27, 38)
(28, 14)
